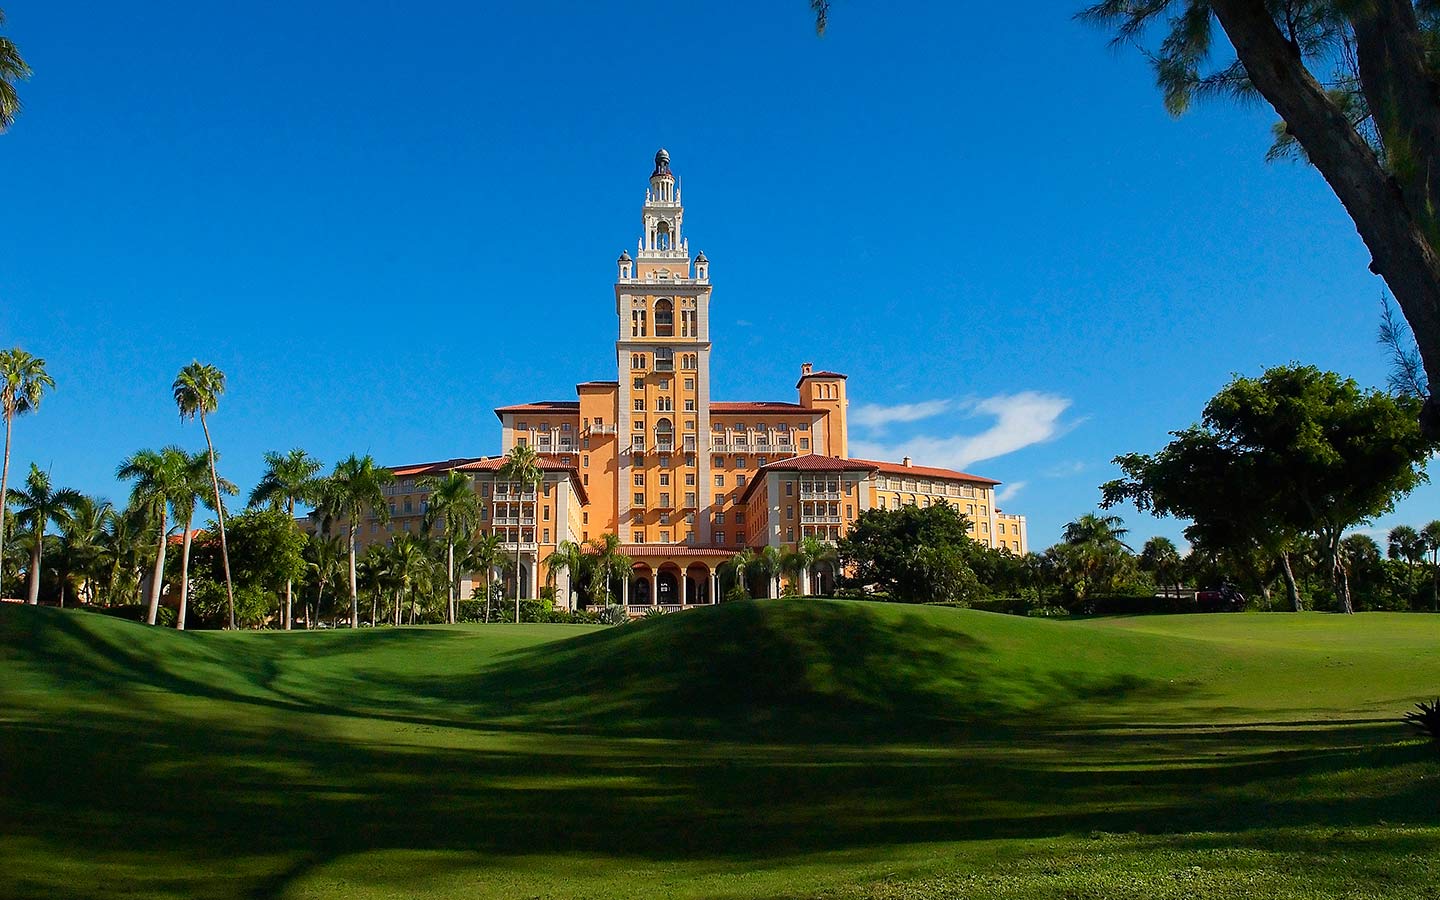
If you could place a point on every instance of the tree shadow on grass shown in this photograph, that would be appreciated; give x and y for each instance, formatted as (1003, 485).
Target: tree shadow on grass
(796, 731)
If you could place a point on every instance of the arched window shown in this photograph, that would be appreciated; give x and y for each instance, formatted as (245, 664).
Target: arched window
(664, 435)
(662, 236)
(664, 318)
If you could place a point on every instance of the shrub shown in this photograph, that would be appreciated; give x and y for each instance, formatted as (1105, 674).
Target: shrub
(653, 612)
(1426, 718)
(614, 614)
(737, 593)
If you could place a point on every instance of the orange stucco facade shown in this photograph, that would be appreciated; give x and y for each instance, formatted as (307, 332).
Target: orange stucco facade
(684, 480)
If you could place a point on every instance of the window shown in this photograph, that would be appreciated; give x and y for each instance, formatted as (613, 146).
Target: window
(848, 512)
(804, 443)
(639, 404)
(739, 480)
(638, 536)
(640, 384)
(719, 482)
(639, 479)
(739, 462)
(664, 476)
(689, 383)
(719, 518)
(718, 462)
(545, 513)
(664, 384)
(717, 499)
(585, 461)
(690, 459)
(789, 534)
(664, 537)
(664, 318)
(665, 462)
(690, 407)
(739, 517)
(639, 499)
(789, 488)
(690, 478)
(585, 518)
(761, 462)
(585, 479)
(637, 360)
(546, 536)
(719, 538)
(523, 427)
(789, 512)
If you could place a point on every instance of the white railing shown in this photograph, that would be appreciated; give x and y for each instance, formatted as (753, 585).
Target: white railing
(818, 495)
(524, 545)
(819, 520)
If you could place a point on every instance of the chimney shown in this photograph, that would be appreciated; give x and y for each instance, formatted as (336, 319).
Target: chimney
(806, 369)
(905, 462)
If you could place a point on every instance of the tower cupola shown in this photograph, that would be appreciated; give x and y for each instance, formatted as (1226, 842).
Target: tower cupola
(624, 263)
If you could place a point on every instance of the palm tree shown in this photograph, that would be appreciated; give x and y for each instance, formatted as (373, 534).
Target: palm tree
(197, 391)
(161, 480)
(1431, 534)
(12, 69)
(82, 544)
(23, 379)
(1161, 559)
(1106, 532)
(485, 554)
(192, 491)
(569, 557)
(325, 555)
(746, 563)
(289, 479)
(409, 562)
(522, 467)
(809, 551)
(120, 558)
(452, 500)
(37, 505)
(608, 566)
(356, 485)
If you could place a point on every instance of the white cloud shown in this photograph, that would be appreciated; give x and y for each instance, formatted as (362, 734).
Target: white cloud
(1021, 420)
(873, 415)
(1066, 469)
(1006, 493)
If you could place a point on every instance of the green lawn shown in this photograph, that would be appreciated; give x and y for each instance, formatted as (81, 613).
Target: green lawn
(766, 749)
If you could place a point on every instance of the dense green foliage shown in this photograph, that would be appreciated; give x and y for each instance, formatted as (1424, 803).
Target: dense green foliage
(912, 554)
(761, 749)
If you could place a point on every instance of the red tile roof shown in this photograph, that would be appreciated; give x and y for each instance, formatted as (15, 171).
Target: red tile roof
(636, 550)
(598, 384)
(547, 463)
(540, 406)
(820, 375)
(814, 462)
(761, 406)
(891, 468)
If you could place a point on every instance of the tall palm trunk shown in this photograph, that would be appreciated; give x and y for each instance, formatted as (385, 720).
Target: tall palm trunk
(1291, 588)
(33, 598)
(220, 520)
(454, 589)
(184, 576)
(289, 583)
(354, 592)
(4, 481)
(517, 567)
(158, 576)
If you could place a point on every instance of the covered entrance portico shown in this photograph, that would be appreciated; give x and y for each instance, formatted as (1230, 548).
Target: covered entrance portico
(671, 577)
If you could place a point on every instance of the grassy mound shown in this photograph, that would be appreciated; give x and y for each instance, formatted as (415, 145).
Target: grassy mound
(777, 748)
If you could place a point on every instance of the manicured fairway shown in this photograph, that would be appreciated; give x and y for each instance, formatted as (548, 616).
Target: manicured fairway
(769, 749)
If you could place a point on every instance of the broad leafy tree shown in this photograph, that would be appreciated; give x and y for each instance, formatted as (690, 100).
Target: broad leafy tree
(197, 390)
(914, 554)
(289, 479)
(23, 379)
(37, 505)
(1318, 454)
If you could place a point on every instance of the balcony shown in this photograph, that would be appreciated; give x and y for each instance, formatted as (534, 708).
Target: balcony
(819, 495)
(597, 428)
(524, 546)
(819, 520)
(664, 446)
(505, 496)
(664, 365)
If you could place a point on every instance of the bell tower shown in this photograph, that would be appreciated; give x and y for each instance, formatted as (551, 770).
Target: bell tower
(663, 366)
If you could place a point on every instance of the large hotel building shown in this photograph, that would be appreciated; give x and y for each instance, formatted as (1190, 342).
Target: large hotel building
(684, 480)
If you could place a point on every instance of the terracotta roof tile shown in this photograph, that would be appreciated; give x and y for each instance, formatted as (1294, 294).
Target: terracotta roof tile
(891, 468)
(820, 375)
(634, 550)
(540, 406)
(732, 407)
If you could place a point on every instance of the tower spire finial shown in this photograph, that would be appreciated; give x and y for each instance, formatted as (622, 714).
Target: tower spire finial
(662, 163)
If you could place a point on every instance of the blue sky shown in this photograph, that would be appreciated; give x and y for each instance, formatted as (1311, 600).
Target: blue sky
(371, 216)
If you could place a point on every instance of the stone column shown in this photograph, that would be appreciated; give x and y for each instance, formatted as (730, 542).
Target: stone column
(714, 586)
